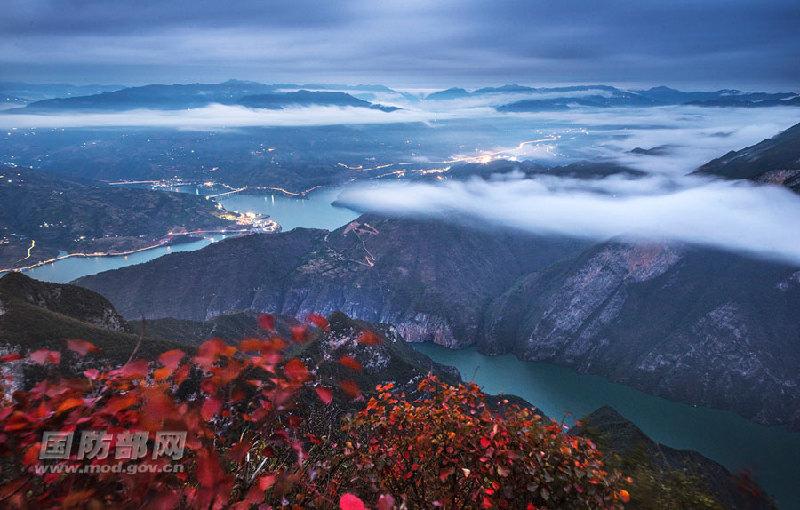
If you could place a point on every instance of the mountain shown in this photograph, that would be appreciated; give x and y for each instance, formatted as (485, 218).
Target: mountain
(691, 324)
(604, 96)
(306, 98)
(430, 279)
(38, 91)
(451, 93)
(36, 315)
(775, 160)
(197, 95)
(617, 98)
(724, 97)
(505, 89)
(734, 102)
(42, 215)
(688, 323)
(658, 469)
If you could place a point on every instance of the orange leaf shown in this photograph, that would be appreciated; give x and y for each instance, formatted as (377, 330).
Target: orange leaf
(162, 373)
(70, 403)
(351, 502)
(171, 359)
(81, 347)
(368, 338)
(624, 496)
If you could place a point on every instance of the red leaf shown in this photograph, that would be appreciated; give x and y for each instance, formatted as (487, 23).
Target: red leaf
(351, 502)
(385, 502)
(211, 407)
(368, 338)
(295, 370)
(17, 421)
(81, 347)
(319, 321)
(209, 471)
(92, 373)
(485, 442)
(300, 333)
(44, 356)
(14, 356)
(211, 350)
(324, 394)
(266, 481)
(350, 388)
(135, 369)
(351, 363)
(266, 322)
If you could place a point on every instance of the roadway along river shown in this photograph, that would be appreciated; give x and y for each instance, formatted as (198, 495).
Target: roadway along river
(315, 211)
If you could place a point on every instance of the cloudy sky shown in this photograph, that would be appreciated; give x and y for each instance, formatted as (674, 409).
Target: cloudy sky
(405, 43)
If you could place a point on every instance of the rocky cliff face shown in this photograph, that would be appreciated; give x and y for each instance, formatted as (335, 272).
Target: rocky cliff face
(690, 324)
(430, 279)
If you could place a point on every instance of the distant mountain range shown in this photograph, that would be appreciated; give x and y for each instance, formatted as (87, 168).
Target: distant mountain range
(197, 95)
(35, 91)
(60, 97)
(548, 99)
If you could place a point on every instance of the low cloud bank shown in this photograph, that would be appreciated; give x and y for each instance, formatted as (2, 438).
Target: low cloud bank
(758, 220)
(212, 117)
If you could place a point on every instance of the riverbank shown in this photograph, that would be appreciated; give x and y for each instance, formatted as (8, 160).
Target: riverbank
(769, 453)
(168, 240)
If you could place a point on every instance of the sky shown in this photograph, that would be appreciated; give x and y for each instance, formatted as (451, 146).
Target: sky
(701, 44)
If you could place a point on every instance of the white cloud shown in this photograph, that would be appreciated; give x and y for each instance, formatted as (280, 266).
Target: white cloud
(214, 116)
(761, 220)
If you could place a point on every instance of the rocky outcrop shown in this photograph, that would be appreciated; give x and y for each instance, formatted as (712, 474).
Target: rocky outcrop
(431, 279)
(45, 315)
(772, 161)
(658, 470)
(694, 325)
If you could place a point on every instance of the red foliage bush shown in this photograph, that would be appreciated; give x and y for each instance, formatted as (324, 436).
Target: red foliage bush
(249, 446)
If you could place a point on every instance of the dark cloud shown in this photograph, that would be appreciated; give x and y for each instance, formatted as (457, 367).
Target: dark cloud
(410, 42)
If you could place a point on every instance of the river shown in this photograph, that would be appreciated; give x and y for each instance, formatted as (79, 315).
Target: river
(770, 453)
(317, 210)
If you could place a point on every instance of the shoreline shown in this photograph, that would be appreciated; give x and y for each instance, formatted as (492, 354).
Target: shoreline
(162, 242)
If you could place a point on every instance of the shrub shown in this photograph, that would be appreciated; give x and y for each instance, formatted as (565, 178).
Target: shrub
(250, 444)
